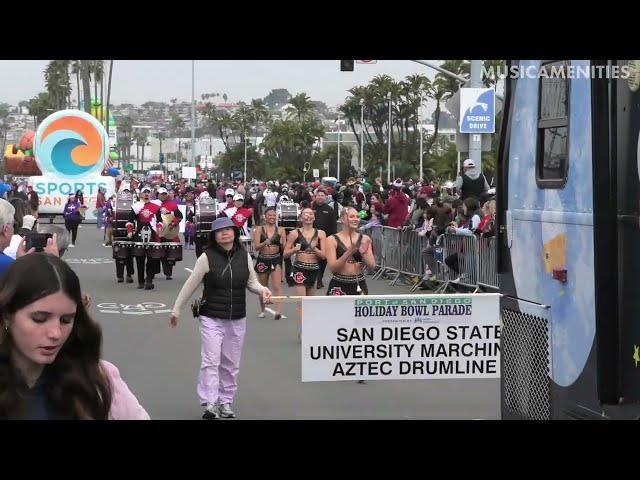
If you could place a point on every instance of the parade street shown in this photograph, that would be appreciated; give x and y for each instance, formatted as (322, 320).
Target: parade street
(160, 364)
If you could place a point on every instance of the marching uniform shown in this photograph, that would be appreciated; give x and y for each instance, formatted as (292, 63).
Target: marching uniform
(348, 284)
(305, 273)
(239, 217)
(168, 218)
(143, 226)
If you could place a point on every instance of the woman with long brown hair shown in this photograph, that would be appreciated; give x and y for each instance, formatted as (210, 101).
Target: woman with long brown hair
(50, 366)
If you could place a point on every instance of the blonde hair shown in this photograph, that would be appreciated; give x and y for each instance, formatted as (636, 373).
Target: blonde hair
(491, 205)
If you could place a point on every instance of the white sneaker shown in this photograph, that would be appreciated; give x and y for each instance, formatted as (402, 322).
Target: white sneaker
(261, 315)
(71, 245)
(225, 411)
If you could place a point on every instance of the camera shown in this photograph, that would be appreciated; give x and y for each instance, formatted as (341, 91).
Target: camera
(37, 241)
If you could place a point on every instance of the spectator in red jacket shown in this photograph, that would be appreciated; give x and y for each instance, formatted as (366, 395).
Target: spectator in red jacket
(397, 206)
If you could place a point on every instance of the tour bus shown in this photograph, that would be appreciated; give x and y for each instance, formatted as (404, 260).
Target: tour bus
(569, 241)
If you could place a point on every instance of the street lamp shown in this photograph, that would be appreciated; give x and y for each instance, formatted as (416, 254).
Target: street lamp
(338, 174)
(420, 121)
(245, 157)
(389, 141)
(361, 135)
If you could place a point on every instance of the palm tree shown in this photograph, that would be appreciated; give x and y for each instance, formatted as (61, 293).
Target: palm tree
(39, 107)
(259, 114)
(242, 117)
(300, 107)
(125, 130)
(108, 94)
(4, 125)
(75, 69)
(85, 73)
(56, 76)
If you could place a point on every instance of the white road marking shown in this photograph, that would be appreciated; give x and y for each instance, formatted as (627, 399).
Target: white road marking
(163, 311)
(109, 311)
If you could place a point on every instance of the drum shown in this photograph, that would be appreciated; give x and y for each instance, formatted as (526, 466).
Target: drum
(138, 249)
(287, 214)
(156, 250)
(205, 214)
(174, 251)
(121, 250)
(121, 213)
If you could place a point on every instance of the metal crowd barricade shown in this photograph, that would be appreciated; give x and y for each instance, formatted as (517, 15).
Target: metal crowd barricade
(488, 262)
(390, 252)
(377, 244)
(404, 253)
(411, 258)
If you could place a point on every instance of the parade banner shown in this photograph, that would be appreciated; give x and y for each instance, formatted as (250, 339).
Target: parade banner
(393, 337)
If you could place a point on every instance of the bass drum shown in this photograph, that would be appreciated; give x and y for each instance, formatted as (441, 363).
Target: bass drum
(287, 214)
(205, 214)
(121, 213)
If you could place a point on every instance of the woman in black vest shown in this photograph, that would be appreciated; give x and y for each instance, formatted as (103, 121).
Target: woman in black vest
(226, 270)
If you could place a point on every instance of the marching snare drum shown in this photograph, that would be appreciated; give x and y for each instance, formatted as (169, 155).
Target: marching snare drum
(121, 250)
(287, 214)
(121, 213)
(174, 251)
(156, 250)
(206, 211)
(138, 249)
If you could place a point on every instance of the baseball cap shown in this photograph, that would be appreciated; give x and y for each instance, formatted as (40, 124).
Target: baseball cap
(238, 196)
(469, 163)
(229, 191)
(162, 190)
(398, 184)
(145, 189)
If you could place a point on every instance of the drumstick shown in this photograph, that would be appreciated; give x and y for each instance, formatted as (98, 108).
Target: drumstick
(286, 298)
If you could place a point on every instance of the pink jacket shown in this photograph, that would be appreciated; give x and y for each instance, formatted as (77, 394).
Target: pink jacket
(124, 404)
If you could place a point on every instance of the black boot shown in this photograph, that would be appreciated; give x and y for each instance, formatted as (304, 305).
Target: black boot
(148, 286)
(120, 280)
(140, 285)
(129, 280)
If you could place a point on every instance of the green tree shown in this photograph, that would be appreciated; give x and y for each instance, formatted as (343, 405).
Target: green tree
(57, 82)
(39, 107)
(4, 125)
(289, 144)
(300, 107)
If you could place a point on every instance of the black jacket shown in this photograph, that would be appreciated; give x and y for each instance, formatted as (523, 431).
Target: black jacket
(225, 284)
(325, 219)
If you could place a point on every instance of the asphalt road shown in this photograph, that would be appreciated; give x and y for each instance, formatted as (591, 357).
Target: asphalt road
(160, 364)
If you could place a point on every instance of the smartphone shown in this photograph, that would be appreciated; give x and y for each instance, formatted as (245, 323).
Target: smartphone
(37, 240)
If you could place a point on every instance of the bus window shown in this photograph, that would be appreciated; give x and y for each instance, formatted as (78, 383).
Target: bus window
(552, 156)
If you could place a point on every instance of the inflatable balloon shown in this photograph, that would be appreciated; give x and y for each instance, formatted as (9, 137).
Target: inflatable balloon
(113, 171)
(28, 153)
(17, 163)
(4, 188)
(362, 214)
(26, 141)
(113, 155)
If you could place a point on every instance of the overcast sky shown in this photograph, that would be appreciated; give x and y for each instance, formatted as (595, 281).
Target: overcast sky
(156, 80)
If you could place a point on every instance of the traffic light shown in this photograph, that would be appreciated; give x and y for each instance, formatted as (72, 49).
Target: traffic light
(346, 65)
